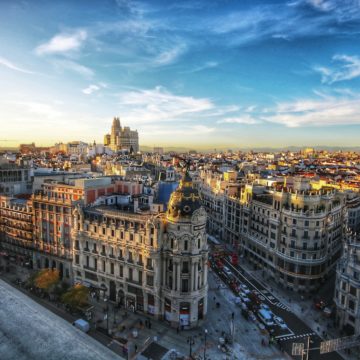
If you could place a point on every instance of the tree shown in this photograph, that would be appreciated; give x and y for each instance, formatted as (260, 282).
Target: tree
(76, 297)
(46, 279)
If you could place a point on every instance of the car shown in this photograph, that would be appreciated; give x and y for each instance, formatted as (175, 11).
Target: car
(227, 271)
(265, 307)
(266, 317)
(244, 289)
(251, 316)
(280, 322)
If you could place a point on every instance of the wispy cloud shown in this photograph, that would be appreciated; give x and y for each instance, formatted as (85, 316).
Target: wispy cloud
(62, 43)
(284, 21)
(93, 88)
(245, 119)
(205, 66)
(328, 111)
(158, 104)
(10, 65)
(75, 67)
(171, 55)
(38, 108)
(348, 69)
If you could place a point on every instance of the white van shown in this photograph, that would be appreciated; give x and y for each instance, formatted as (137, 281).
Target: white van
(82, 325)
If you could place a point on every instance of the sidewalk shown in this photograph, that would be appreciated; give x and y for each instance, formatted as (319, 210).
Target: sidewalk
(301, 305)
(122, 323)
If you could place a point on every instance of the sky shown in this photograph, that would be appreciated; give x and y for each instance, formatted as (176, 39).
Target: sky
(196, 73)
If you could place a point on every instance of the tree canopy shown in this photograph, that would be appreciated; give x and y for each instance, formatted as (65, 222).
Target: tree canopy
(76, 297)
(46, 279)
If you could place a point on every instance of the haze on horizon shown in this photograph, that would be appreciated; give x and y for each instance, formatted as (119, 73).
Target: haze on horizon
(191, 73)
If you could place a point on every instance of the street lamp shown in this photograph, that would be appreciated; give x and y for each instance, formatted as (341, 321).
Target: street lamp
(191, 342)
(205, 344)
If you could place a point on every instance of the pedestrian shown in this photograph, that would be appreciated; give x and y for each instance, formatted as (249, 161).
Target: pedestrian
(135, 347)
(233, 315)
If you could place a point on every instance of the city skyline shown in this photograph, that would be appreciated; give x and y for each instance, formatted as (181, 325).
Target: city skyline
(193, 74)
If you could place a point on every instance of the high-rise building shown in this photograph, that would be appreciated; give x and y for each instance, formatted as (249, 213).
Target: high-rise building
(122, 138)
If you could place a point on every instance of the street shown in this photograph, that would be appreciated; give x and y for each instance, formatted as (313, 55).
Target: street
(298, 330)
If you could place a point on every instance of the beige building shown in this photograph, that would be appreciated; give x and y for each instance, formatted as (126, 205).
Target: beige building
(147, 260)
(16, 228)
(294, 234)
(122, 138)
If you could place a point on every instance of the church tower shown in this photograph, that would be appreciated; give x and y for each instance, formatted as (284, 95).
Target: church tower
(185, 256)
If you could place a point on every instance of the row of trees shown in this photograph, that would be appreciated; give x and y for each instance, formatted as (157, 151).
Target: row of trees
(48, 282)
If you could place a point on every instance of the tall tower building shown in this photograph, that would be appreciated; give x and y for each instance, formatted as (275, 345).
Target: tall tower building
(122, 138)
(115, 133)
(185, 258)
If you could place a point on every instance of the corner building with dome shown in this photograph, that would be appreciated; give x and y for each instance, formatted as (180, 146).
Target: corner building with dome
(146, 260)
(185, 257)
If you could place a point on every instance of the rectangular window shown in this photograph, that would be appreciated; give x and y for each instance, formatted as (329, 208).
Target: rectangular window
(149, 280)
(130, 274)
(185, 268)
(112, 268)
(185, 285)
(121, 271)
(77, 259)
(103, 266)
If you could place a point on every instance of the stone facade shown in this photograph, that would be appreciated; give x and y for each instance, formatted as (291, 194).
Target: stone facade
(154, 263)
(347, 293)
(122, 138)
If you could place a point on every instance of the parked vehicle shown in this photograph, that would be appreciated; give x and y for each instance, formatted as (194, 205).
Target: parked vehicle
(265, 307)
(244, 289)
(280, 322)
(227, 271)
(82, 325)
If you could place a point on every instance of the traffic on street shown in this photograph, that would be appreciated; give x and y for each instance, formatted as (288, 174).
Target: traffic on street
(257, 303)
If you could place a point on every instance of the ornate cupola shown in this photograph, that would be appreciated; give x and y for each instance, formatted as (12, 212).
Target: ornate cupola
(184, 201)
(185, 256)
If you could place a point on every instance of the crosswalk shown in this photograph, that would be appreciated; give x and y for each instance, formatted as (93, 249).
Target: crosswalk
(282, 306)
(293, 337)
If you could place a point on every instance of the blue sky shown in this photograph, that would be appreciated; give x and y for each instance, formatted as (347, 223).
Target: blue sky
(184, 73)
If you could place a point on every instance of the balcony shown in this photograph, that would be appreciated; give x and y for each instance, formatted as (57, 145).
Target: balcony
(300, 260)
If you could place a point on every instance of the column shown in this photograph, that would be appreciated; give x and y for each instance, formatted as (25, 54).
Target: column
(196, 275)
(174, 273)
(178, 276)
(164, 272)
(205, 271)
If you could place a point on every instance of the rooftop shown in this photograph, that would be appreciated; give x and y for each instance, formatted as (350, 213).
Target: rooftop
(30, 331)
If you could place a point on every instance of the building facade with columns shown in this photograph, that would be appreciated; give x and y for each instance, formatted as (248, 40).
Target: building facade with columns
(144, 259)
